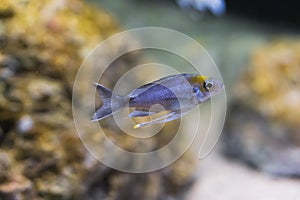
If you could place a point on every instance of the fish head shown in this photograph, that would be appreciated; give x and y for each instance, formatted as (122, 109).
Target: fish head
(203, 88)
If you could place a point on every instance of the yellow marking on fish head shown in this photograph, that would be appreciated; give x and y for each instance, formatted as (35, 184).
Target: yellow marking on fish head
(198, 80)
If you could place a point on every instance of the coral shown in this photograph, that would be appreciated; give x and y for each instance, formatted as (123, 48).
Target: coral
(42, 44)
(264, 121)
(272, 81)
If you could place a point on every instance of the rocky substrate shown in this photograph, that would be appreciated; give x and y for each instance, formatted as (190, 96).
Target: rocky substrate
(42, 44)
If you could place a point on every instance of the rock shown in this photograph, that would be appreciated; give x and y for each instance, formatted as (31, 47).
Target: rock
(13, 185)
(18, 188)
(41, 154)
(5, 164)
(263, 123)
(6, 9)
(25, 124)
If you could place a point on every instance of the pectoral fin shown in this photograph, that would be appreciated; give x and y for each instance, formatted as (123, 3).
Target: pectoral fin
(140, 113)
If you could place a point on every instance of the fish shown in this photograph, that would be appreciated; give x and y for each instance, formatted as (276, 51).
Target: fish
(217, 7)
(176, 94)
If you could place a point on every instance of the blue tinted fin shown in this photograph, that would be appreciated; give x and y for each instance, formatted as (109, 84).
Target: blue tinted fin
(108, 106)
(165, 118)
(140, 113)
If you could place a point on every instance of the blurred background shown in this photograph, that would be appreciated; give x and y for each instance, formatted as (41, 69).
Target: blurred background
(255, 44)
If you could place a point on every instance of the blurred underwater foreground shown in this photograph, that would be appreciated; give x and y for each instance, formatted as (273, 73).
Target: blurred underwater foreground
(43, 44)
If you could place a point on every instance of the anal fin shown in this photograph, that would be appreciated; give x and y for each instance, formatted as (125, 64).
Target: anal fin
(165, 118)
(140, 113)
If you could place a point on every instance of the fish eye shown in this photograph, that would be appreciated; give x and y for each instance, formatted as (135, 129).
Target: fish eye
(208, 85)
(196, 90)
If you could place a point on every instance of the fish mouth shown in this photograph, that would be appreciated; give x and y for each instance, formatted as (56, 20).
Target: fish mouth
(219, 88)
(219, 85)
(222, 86)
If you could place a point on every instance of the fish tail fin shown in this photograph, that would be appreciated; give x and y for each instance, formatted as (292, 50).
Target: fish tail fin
(108, 106)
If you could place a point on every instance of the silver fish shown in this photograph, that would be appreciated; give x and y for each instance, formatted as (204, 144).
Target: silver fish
(177, 95)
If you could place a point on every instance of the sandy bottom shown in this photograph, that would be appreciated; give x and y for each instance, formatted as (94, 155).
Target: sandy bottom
(220, 178)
